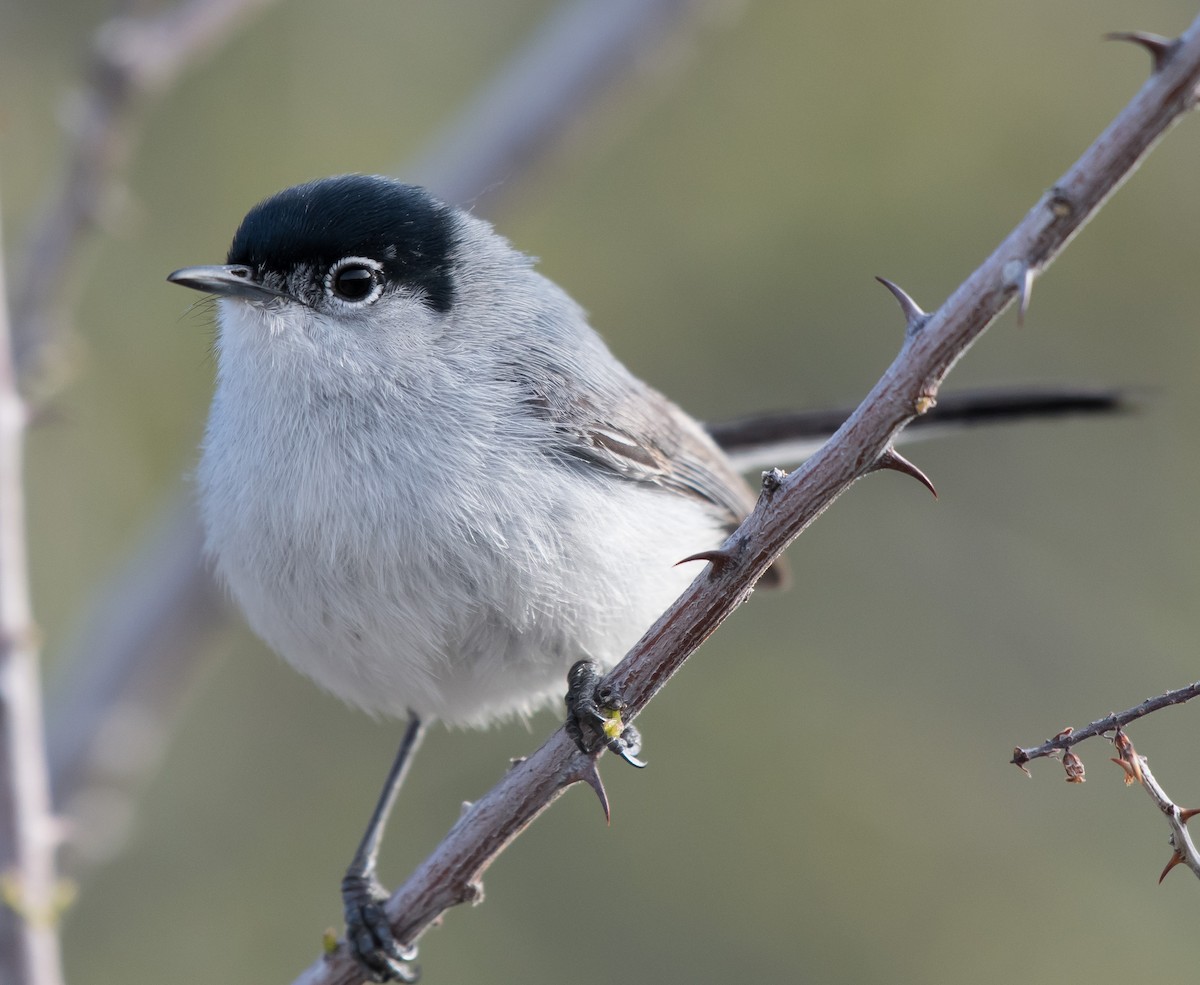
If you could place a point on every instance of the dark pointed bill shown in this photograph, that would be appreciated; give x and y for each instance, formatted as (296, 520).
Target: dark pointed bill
(229, 280)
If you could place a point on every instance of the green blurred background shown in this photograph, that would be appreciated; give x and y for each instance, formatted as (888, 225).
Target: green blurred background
(829, 798)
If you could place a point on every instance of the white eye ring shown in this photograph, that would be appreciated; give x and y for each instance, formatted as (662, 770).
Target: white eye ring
(355, 281)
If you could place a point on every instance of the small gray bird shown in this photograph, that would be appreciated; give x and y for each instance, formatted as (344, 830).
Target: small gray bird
(428, 483)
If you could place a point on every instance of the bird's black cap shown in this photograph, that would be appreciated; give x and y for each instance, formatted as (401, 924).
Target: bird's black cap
(410, 233)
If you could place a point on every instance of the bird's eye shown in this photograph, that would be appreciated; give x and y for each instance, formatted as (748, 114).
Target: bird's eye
(356, 280)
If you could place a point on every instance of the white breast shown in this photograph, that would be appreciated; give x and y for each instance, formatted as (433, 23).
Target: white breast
(464, 585)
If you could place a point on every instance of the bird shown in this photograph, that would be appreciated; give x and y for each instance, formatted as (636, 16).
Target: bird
(432, 488)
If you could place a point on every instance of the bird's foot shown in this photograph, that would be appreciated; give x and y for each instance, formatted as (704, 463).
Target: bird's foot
(594, 715)
(369, 933)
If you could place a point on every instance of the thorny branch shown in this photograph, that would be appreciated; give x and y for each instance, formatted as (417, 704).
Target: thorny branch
(933, 343)
(1102, 726)
(1133, 765)
(1137, 770)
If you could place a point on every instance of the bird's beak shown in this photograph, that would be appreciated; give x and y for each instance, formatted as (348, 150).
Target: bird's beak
(230, 281)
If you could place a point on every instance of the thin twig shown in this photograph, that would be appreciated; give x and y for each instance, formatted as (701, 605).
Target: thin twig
(932, 346)
(1102, 726)
(29, 948)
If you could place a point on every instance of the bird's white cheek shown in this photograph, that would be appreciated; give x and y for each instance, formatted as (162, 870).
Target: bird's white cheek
(255, 333)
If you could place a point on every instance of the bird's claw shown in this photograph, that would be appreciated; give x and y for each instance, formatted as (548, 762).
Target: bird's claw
(594, 715)
(369, 933)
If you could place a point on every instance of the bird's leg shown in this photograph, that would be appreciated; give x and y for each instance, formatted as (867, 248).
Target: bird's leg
(368, 932)
(594, 715)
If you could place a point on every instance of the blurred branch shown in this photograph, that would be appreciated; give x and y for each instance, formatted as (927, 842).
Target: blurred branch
(131, 58)
(581, 50)
(113, 708)
(579, 54)
(1102, 726)
(29, 949)
(933, 343)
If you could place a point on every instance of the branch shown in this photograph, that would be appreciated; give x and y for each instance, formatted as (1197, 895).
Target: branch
(29, 948)
(932, 345)
(1137, 770)
(573, 58)
(131, 58)
(106, 679)
(1102, 726)
(1133, 765)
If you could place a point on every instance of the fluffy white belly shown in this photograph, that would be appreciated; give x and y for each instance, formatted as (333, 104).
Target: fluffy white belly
(455, 611)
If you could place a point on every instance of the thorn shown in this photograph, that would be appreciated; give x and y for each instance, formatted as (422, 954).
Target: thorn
(1026, 295)
(592, 779)
(914, 316)
(1131, 769)
(1020, 275)
(1176, 858)
(1187, 815)
(893, 460)
(1160, 48)
(719, 559)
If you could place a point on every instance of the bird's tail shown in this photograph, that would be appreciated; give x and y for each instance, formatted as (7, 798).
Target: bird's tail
(789, 437)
